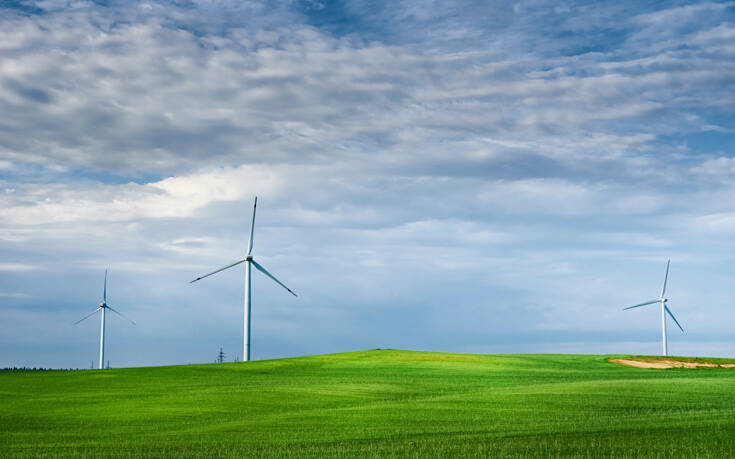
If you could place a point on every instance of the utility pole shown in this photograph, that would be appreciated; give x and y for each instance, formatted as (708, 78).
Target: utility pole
(220, 356)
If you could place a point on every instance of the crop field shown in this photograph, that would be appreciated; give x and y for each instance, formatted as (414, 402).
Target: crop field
(373, 403)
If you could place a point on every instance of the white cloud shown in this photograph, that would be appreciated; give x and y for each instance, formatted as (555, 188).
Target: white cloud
(722, 166)
(719, 222)
(173, 197)
(441, 232)
(14, 295)
(17, 267)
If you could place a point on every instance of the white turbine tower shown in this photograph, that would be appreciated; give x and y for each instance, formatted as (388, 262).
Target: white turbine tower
(102, 307)
(248, 260)
(664, 310)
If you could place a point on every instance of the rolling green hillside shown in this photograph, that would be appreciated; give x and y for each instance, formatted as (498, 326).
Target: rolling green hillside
(379, 403)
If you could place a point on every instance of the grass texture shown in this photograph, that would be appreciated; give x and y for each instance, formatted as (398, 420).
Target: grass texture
(379, 403)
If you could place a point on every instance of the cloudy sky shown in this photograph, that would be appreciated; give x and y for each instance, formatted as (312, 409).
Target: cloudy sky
(467, 176)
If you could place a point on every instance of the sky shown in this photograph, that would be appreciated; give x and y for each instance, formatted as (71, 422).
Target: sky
(460, 176)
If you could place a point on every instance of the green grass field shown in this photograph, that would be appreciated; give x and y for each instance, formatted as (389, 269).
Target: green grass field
(374, 403)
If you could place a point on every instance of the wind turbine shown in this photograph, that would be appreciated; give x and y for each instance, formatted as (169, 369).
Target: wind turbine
(664, 310)
(102, 307)
(249, 261)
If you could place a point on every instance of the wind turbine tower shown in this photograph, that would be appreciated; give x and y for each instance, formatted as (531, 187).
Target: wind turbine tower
(103, 307)
(664, 310)
(249, 262)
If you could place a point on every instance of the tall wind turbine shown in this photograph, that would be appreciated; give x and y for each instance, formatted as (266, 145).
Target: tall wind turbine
(249, 261)
(102, 307)
(664, 310)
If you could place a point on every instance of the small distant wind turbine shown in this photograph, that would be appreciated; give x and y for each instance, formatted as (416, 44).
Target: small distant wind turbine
(664, 310)
(248, 260)
(102, 307)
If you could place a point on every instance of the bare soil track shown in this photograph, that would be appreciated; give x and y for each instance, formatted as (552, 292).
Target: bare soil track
(670, 364)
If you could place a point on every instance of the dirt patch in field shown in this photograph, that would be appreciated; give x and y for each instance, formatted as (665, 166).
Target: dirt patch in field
(669, 364)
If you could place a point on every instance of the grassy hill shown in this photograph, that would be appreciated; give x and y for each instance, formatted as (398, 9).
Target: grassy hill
(378, 403)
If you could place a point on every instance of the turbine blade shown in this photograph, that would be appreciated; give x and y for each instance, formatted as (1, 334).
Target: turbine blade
(218, 270)
(252, 228)
(120, 314)
(672, 316)
(104, 291)
(642, 304)
(87, 316)
(663, 290)
(263, 270)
